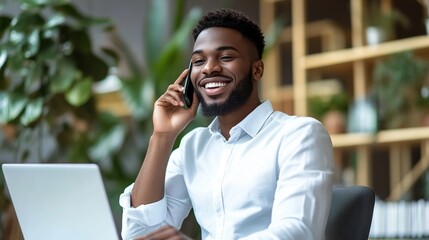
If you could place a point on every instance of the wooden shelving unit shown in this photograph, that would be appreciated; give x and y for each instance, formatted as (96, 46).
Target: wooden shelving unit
(403, 174)
(365, 52)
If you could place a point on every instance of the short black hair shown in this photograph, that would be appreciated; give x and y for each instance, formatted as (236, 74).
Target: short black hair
(236, 20)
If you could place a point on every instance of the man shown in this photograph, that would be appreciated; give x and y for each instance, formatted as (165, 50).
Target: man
(253, 173)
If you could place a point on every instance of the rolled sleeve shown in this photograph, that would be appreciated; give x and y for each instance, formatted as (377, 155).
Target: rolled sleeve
(142, 219)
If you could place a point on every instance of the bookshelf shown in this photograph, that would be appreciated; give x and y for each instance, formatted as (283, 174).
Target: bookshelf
(354, 58)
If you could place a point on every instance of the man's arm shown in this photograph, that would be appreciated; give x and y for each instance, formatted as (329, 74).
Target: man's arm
(169, 119)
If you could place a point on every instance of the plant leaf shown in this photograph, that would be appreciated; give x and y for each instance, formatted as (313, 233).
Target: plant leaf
(64, 77)
(4, 24)
(11, 105)
(92, 66)
(55, 21)
(80, 92)
(178, 43)
(32, 44)
(82, 20)
(81, 41)
(139, 96)
(32, 111)
(155, 26)
(178, 14)
(3, 57)
(38, 3)
(108, 143)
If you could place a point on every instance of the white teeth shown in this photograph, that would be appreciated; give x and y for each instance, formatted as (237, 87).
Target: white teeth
(215, 84)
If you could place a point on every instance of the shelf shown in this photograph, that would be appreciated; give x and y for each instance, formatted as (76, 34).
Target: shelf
(365, 52)
(382, 137)
(353, 66)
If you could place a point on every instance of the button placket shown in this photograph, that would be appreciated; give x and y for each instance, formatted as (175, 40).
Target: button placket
(217, 193)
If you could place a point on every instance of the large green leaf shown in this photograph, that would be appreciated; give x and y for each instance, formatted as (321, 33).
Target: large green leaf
(11, 105)
(155, 29)
(80, 92)
(81, 41)
(178, 14)
(139, 95)
(80, 20)
(55, 21)
(27, 21)
(65, 75)
(40, 3)
(92, 66)
(4, 24)
(108, 143)
(32, 111)
(178, 43)
(33, 78)
(3, 60)
(3, 57)
(32, 44)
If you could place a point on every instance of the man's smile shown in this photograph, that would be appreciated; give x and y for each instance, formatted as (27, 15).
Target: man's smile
(214, 85)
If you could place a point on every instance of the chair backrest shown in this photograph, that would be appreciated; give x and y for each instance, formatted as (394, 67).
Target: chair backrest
(350, 215)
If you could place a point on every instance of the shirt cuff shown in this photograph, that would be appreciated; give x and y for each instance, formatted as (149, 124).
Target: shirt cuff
(146, 214)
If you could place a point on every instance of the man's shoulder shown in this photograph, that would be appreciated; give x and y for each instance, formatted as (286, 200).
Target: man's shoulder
(288, 125)
(294, 120)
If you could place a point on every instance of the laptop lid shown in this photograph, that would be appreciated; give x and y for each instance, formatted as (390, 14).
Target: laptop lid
(60, 201)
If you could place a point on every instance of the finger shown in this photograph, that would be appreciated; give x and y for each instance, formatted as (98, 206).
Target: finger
(181, 77)
(173, 95)
(168, 101)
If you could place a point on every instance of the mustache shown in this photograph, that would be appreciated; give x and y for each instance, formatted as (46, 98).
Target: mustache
(213, 75)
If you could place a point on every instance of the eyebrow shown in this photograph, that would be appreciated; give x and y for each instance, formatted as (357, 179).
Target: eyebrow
(219, 49)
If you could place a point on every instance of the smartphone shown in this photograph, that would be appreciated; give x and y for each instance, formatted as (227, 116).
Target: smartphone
(188, 88)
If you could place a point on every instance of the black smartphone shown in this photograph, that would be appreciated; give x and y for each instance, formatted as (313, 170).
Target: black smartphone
(188, 88)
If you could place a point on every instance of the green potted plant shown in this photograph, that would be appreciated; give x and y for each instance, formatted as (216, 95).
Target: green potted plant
(380, 26)
(397, 83)
(331, 111)
(47, 69)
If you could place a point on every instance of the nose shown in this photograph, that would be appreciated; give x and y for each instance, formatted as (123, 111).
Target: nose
(211, 66)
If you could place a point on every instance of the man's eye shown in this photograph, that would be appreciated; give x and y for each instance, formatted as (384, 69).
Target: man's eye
(198, 62)
(226, 58)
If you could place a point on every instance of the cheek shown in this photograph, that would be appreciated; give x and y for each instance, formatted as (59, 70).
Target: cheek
(239, 71)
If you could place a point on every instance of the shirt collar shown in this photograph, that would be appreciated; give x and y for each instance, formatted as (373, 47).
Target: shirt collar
(250, 124)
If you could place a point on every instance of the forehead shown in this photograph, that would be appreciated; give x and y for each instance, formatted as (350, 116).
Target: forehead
(218, 37)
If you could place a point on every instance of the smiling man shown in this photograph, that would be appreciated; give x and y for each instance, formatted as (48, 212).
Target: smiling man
(253, 173)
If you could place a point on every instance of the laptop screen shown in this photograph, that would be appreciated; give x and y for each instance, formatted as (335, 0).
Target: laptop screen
(60, 201)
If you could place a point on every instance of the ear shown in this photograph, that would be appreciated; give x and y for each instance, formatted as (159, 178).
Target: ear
(258, 69)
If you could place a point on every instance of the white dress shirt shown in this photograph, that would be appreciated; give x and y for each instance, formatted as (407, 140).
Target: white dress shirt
(272, 179)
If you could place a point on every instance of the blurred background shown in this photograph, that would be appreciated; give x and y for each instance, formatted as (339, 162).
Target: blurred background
(78, 79)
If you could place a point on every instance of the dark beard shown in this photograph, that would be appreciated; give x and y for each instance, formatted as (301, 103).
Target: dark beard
(238, 98)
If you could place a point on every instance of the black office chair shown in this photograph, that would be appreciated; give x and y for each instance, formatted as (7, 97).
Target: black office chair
(351, 213)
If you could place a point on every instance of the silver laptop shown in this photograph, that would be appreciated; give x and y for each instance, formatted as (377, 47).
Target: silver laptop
(60, 201)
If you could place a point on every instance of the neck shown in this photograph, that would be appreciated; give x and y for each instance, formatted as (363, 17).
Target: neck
(228, 121)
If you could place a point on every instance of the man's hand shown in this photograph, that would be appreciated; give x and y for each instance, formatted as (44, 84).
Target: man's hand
(165, 233)
(169, 116)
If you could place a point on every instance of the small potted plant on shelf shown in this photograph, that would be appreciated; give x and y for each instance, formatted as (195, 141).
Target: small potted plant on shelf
(331, 111)
(380, 26)
(397, 83)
